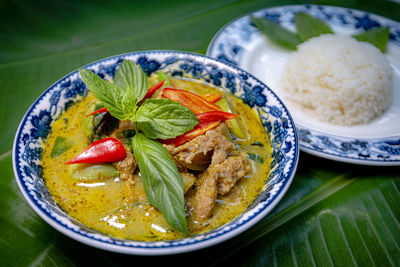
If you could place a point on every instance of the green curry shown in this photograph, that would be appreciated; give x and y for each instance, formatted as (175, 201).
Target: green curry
(119, 207)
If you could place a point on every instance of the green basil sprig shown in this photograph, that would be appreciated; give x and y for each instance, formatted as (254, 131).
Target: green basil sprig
(154, 119)
(157, 118)
(131, 78)
(109, 94)
(161, 180)
(308, 26)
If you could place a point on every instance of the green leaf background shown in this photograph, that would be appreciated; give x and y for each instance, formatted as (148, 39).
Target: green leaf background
(333, 214)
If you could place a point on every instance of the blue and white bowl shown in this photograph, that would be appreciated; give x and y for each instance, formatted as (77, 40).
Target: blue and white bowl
(375, 143)
(36, 125)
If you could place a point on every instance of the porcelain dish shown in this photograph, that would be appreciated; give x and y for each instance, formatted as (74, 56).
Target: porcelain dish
(375, 143)
(36, 125)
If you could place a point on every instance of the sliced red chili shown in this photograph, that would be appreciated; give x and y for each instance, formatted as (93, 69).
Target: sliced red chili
(104, 150)
(212, 98)
(194, 102)
(207, 120)
(100, 110)
(215, 116)
(152, 90)
(198, 130)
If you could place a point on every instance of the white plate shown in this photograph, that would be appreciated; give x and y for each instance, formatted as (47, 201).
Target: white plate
(375, 143)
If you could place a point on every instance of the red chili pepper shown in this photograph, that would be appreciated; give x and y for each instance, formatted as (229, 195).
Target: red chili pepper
(212, 98)
(104, 150)
(194, 102)
(152, 90)
(207, 121)
(215, 116)
(100, 110)
(199, 129)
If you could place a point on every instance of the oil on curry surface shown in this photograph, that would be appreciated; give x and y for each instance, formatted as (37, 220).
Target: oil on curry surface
(108, 199)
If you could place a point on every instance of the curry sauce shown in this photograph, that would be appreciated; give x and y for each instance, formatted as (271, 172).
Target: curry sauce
(119, 207)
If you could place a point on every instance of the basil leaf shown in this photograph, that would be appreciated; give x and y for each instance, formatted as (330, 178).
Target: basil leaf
(308, 26)
(163, 118)
(161, 180)
(108, 93)
(133, 81)
(377, 36)
(276, 33)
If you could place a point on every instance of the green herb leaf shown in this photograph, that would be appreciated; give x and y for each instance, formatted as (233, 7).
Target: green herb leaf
(60, 146)
(377, 36)
(133, 81)
(163, 118)
(108, 93)
(308, 26)
(161, 180)
(276, 33)
(120, 98)
(163, 77)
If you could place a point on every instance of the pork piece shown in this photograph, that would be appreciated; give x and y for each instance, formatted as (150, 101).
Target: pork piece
(205, 196)
(127, 166)
(188, 180)
(230, 172)
(197, 154)
(217, 179)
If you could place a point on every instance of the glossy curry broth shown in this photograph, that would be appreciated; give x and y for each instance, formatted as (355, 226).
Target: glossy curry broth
(119, 208)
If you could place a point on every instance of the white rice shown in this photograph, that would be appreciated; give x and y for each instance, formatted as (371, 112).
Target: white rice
(345, 81)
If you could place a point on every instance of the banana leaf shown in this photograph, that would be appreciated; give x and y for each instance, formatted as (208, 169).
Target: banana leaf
(333, 213)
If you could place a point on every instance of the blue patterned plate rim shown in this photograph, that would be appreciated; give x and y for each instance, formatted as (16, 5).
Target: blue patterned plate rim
(284, 170)
(380, 151)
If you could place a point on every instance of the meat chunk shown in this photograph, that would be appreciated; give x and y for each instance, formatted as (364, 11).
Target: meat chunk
(127, 166)
(230, 172)
(197, 154)
(188, 180)
(217, 179)
(205, 196)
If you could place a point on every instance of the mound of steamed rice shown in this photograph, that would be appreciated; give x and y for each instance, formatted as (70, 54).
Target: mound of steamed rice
(345, 81)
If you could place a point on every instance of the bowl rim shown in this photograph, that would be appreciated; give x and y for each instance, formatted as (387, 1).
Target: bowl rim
(166, 250)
